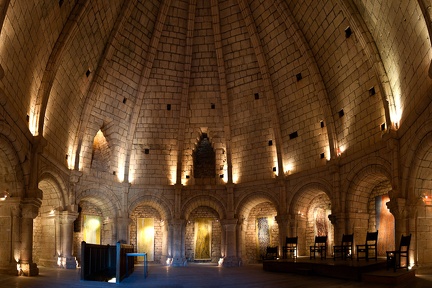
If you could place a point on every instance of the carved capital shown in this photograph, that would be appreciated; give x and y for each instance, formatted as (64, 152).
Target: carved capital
(397, 207)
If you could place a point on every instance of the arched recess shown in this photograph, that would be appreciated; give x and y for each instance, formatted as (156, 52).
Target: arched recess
(12, 190)
(309, 210)
(203, 231)
(148, 230)
(46, 226)
(257, 211)
(98, 209)
(420, 197)
(366, 207)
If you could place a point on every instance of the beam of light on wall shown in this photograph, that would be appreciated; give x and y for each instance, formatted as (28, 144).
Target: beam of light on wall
(33, 122)
(173, 174)
(121, 166)
(396, 108)
(288, 168)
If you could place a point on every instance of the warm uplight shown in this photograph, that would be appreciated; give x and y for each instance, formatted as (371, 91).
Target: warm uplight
(220, 262)
(33, 123)
(4, 195)
(288, 168)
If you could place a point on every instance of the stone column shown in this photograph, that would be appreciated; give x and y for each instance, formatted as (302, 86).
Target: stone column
(123, 229)
(230, 228)
(66, 235)
(283, 224)
(29, 211)
(178, 242)
(165, 253)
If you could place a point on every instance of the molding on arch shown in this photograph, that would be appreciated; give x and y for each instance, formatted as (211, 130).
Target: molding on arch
(416, 156)
(378, 171)
(58, 182)
(203, 201)
(109, 198)
(257, 195)
(162, 206)
(307, 188)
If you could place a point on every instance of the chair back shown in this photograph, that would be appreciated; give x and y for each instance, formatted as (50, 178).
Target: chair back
(405, 243)
(290, 241)
(347, 240)
(371, 238)
(320, 240)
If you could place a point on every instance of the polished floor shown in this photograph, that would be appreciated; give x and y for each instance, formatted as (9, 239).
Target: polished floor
(196, 275)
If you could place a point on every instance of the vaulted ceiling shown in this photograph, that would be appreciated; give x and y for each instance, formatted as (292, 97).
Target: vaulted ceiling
(275, 84)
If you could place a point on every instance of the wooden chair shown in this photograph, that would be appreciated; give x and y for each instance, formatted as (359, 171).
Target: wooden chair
(320, 246)
(344, 250)
(371, 244)
(394, 258)
(271, 253)
(290, 247)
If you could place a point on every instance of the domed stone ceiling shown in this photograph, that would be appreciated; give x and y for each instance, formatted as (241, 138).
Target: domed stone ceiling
(278, 87)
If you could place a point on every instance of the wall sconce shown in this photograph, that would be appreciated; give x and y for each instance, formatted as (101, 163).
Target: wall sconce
(4, 195)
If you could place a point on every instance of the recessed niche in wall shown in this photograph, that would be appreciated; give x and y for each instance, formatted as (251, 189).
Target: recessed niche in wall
(371, 91)
(341, 113)
(299, 76)
(257, 96)
(293, 135)
(88, 73)
(213, 106)
(270, 143)
(221, 175)
(124, 100)
(383, 126)
(146, 151)
(274, 169)
(114, 173)
(322, 124)
(27, 118)
(168, 107)
(348, 32)
(187, 177)
(322, 155)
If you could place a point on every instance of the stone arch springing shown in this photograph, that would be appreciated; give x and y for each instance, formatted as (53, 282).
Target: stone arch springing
(366, 201)
(309, 210)
(11, 174)
(46, 244)
(257, 211)
(419, 195)
(159, 210)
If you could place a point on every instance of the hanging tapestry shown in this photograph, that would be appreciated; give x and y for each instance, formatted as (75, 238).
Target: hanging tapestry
(145, 238)
(203, 231)
(92, 229)
(263, 233)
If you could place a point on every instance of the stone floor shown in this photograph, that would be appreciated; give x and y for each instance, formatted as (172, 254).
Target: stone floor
(196, 275)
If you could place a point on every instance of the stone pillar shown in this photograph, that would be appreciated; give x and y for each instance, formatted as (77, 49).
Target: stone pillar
(66, 235)
(283, 224)
(29, 211)
(165, 242)
(178, 243)
(230, 227)
(123, 229)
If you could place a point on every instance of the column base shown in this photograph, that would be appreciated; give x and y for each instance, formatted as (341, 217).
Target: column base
(177, 262)
(68, 262)
(29, 269)
(231, 261)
